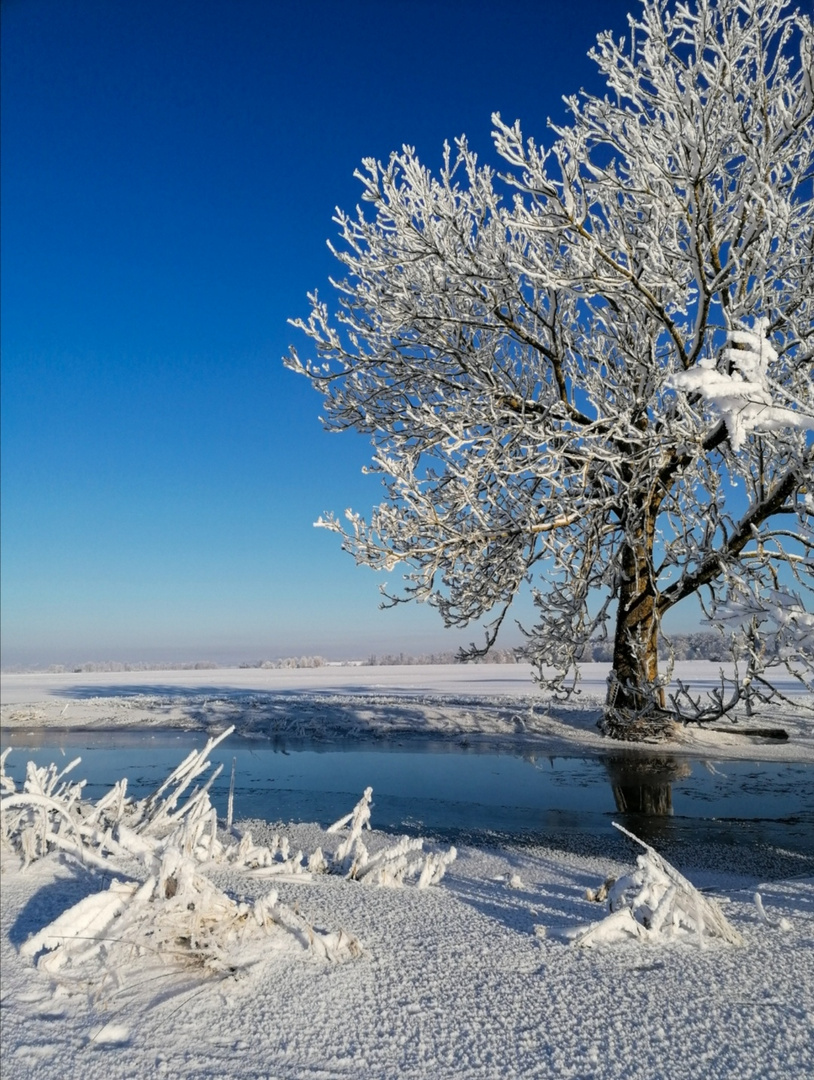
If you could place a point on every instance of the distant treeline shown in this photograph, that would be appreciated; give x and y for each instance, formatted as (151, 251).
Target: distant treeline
(118, 665)
(494, 656)
(697, 646)
(289, 662)
(197, 665)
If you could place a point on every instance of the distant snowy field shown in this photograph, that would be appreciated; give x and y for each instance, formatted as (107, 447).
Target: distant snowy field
(471, 979)
(472, 680)
(489, 701)
(480, 679)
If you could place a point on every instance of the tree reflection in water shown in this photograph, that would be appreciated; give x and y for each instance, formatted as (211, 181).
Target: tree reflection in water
(642, 785)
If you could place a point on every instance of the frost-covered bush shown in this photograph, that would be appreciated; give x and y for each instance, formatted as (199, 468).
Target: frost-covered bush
(390, 866)
(166, 846)
(654, 901)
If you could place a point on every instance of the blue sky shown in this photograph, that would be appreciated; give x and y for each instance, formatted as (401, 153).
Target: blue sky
(169, 173)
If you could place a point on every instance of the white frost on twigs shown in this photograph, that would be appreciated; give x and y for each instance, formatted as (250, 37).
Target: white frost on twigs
(358, 818)
(7, 786)
(390, 866)
(655, 901)
(792, 621)
(175, 914)
(435, 866)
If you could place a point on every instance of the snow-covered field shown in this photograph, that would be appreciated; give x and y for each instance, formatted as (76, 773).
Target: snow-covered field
(498, 702)
(474, 976)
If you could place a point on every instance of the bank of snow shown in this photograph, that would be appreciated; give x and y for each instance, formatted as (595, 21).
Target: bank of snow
(454, 981)
(497, 702)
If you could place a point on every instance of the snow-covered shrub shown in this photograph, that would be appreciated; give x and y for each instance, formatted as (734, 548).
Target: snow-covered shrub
(175, 913)
(181, 919)
(655, 901)
(168, 910)
(390, 866)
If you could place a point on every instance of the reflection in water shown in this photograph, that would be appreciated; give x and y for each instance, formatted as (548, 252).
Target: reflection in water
(467, 795)
(643, 785)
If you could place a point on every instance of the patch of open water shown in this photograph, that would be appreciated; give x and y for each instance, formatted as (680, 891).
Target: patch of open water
(468, 794)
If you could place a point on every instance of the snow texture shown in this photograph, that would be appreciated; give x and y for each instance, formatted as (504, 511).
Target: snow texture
(452, 983)
(475, 979)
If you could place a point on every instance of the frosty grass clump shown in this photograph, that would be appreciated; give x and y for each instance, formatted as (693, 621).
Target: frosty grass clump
(654, 901)
(166, 846)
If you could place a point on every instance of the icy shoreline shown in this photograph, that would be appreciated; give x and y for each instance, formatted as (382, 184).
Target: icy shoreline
(497, 702)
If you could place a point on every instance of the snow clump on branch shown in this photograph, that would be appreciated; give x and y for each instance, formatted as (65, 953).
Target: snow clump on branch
(742, 394)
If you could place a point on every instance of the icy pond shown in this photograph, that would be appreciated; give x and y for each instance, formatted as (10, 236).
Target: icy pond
(463, 794)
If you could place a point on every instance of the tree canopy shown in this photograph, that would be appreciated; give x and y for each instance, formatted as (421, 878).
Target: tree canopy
(592, 370)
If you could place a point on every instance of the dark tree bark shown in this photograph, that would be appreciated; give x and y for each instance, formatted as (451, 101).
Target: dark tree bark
(634, 706)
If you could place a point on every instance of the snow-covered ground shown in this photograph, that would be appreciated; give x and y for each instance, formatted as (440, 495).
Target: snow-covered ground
(499, 702)
(472, 977)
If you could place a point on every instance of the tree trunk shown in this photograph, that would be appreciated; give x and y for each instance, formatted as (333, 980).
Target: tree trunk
(634, 708)
(635, 645)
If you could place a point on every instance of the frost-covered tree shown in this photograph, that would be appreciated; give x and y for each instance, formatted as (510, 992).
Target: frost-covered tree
(593, 372)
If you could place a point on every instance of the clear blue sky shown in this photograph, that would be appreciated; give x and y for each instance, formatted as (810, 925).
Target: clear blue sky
(169, 172)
